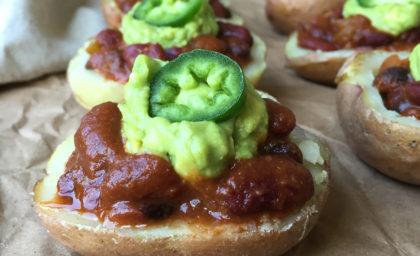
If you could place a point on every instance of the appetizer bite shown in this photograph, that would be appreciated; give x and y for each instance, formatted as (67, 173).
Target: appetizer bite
(379, 108)
(161, 30)
(286, 15)
(195, 162)
(318, 51)
(114, 10)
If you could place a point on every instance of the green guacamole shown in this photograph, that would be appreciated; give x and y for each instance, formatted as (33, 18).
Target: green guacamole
(195, 149)
(391, 16)
(137, 31)
(415, 63)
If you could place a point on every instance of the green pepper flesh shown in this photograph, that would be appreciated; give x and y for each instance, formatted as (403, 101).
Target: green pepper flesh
(174, 13)
(197, 86)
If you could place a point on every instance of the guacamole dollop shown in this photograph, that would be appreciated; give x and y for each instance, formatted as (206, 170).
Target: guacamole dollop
(391, 16)
(415, 63)
(195, 149)
(137, 31)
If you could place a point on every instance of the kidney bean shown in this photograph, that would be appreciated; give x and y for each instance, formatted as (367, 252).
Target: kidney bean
(307, 40)
(412, 111)
(394, 61)
(125, 213)
(109, 38)
(227, 29)
(412, 36)
(126, 5)
(281, 146)
(174, 52)
(110, 64)
(412, 92)
(281, 119)
(238, 47)
(219, 9)
(270, 182)
(156, 211)
(391, 78)
(394, 99)
(208, 42)
(375, 39)
(152, 50)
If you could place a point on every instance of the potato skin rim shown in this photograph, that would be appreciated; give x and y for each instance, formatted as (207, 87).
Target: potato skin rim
(384, 143)
(318, 66)
(286, 15)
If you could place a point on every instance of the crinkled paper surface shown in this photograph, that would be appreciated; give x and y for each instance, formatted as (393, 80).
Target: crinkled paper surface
(366, 214)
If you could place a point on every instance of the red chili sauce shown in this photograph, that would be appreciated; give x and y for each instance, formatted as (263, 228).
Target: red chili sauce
(127, 189)
(399, 90)
(112, 58)
(331, 31)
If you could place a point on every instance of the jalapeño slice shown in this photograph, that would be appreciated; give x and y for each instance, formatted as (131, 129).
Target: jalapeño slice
(174, 13)
(197, 86)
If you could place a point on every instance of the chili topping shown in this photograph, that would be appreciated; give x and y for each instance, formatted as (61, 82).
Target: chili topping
(399, 91)
(113, 59)
(331, 31)
(126, 189)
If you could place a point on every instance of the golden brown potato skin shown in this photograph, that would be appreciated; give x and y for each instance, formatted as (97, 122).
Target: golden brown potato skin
(316, 68)
(384, 143)
(285, 15)
(389, 146)
(91, 242)
(112, 13)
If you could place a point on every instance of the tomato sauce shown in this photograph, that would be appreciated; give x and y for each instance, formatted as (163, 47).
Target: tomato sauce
(331, 31)
(113, 59)
(398, 89)
(126, 189)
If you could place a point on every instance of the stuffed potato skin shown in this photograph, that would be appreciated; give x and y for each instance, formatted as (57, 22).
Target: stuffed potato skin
(318, 66)
(286, 15)
(382, 138)
(91, 88)
(263, 236)
(113, 14)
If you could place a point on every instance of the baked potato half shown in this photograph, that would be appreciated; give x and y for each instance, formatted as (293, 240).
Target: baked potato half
(318, 66)
(382, 138)
(90, 88)
(262, 236)
(286, 15)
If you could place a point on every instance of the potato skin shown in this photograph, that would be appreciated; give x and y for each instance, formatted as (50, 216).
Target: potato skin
(112, 13)
(91, 242)
(388, 145)
(317, 66)
(285, 15)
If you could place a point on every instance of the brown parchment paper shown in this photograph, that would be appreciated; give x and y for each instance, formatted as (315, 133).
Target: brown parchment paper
(366, 214)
